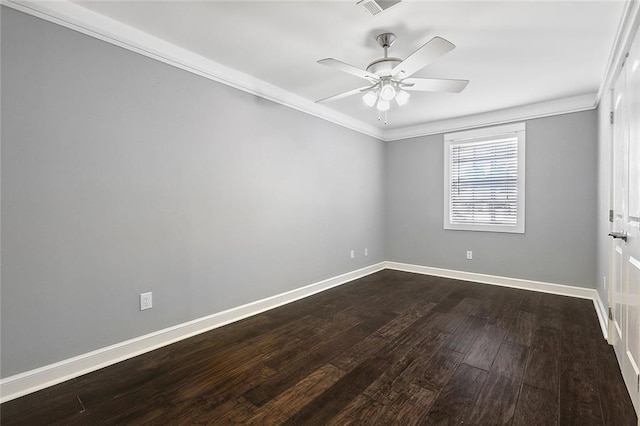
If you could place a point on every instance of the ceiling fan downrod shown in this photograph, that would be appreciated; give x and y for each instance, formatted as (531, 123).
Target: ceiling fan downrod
(385, 40)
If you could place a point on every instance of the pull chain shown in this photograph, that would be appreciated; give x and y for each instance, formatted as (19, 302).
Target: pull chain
(386, 116)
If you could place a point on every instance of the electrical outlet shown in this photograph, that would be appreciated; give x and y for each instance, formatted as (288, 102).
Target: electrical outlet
(146, 301)
(469, 255)
(604, 282)
(366, 252)
(353, 254)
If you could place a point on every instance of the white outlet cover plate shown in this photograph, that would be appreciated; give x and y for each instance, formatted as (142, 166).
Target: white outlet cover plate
(146, 301)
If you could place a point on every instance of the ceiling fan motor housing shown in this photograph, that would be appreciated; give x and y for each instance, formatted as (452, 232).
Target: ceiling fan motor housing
(383, 66)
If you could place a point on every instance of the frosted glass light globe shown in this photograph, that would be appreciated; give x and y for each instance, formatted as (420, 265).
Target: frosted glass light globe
(387, 92)
(370, 98)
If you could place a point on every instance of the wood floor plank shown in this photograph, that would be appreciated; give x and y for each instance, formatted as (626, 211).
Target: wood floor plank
(349, 387)
(380, 338)
(359, 352)
(489, 299)
(446, 322)
(404, 320)
(530, 302)
(463, 338)
(410, 407)
(485, 348)
(127, 410)
(523, 328)
(543, 368)
(611, 389)
(58, 402)
(407, 409)
(548, 316)
(289, 402)
(436, 372)
(505, 308)
(579, 398)
(496, 403)
(448, 303)
(497, 400)
(382, 389)
(422, 333)
(200, 411)
(215, 372)
(454, 402)
(233, 387)
(331, 328)
(360, 408)
(510, 360)
(536, 407)
(310, 359)
(468, 306)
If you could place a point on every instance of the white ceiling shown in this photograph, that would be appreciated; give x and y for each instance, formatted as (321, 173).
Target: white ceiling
(514, 53)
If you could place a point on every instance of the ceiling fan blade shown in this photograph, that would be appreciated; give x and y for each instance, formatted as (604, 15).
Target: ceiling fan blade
(429, 52)
(341, 66)
(345, 94)
(433, 85)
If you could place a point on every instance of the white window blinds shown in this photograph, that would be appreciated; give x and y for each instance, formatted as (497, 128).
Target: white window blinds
(484, 180)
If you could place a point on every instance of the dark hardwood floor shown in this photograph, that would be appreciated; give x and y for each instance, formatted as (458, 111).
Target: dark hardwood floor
(392, 348)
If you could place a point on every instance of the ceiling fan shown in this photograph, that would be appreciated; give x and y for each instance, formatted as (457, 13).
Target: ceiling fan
(390, 78)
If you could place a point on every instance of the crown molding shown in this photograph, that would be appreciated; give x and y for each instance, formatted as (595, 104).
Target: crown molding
(78, 18)
(502, 116)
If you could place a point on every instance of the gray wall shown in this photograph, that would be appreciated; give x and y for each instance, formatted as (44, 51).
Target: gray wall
(559, 245)
(122, 175)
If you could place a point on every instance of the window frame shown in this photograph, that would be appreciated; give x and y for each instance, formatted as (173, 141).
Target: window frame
(484, 135)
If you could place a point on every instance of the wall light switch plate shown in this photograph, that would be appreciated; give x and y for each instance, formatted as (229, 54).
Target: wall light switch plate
(146, 301)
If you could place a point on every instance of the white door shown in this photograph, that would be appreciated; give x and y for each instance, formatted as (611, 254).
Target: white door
(626, 223)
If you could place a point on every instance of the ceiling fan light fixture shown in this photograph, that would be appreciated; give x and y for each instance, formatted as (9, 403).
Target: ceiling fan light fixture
(387, 92)
(370, 98)
(388, 76)
(402, 97)
(383, 105)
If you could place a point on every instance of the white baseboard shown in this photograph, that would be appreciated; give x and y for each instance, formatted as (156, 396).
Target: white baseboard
(30, 381)
(603, 317)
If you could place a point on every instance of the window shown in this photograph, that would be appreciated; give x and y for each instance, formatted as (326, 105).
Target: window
(484, 179)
